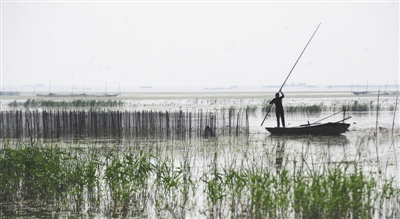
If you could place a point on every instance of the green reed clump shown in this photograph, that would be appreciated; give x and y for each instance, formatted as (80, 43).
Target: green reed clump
(303, 108)
(251, 109)
(31, 172)
(171, 188)
(97, 103)
(236, 185)
(47, 172)
(358, 106)
(167, 180)
(261, 187)
(82, 180)
(128, 181)
(353, 105)
(127, 178)
(335, 194)
(14, 104)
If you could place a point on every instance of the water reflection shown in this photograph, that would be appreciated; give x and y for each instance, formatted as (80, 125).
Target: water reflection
(280, 151)
(338, 140)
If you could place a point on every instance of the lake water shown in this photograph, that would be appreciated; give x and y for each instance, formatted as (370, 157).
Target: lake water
(363, 124)
(372, 141)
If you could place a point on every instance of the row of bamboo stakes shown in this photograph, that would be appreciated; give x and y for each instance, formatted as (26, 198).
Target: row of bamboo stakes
(116, 124)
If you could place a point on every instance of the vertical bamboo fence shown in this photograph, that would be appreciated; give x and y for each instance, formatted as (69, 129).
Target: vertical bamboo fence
(115, 124)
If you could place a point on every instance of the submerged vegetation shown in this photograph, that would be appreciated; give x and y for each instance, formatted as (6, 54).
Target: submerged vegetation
(213, 179)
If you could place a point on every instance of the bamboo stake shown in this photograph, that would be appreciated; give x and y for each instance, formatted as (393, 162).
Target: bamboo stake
(395, 108)
(376, 128)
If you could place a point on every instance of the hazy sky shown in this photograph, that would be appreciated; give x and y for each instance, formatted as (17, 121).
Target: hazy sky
(198, 43)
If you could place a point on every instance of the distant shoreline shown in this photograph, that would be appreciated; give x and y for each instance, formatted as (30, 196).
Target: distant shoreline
(205, 94)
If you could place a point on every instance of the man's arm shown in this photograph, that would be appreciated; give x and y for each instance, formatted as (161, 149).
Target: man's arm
(272, 101)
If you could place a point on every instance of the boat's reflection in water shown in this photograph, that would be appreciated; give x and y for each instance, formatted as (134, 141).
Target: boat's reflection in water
(317, 140)
(286, 143)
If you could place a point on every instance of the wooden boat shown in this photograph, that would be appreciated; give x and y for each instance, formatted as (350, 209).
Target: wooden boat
(315, 128)
(79, 95)
(330, 128)
(360, 93)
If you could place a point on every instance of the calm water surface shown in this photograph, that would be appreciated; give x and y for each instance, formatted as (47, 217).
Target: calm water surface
(372, 141)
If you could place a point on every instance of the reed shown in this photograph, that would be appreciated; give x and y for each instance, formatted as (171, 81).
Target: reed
(251, 109)
(303, 108)
(184, 179)
(352, 106)
(359, 106)
(46, 173)
(127, 179)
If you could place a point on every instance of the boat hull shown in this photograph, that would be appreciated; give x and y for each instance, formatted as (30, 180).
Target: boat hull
(321, 129)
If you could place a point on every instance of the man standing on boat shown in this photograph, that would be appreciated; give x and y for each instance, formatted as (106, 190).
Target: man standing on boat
(279, 108)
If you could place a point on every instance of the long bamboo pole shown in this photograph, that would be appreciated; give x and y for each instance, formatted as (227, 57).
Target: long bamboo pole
(292, 70)
(323, 118)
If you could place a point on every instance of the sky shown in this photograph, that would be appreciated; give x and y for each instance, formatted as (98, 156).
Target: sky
(198, 43)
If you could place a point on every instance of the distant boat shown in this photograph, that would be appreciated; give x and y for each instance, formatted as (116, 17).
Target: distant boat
(77, 95)
(108, 95)
(329, 128)
(47, 95)
(361, 92)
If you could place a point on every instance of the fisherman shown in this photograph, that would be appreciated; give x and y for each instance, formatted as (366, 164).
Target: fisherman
(279, 108)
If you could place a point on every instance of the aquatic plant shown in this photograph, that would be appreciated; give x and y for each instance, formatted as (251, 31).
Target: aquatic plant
(182, 180)
(359, 106)
(352, 105)
(251, 109)
(14, 104)
(303, 108)
(127, 178)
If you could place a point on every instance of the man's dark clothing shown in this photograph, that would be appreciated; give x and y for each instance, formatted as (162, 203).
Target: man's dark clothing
(279, 108)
